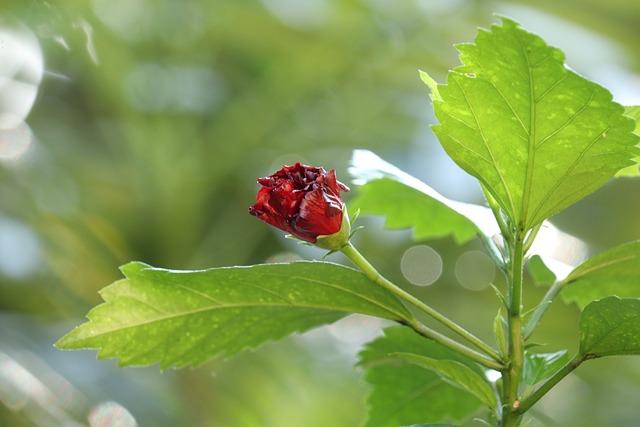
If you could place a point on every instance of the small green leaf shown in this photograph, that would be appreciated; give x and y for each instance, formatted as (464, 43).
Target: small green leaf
(457, 374)
(408, 202)
(540, 273)
(498, 332)
(610, 327)
(403, 393)
(180, 318)
(614, 272)
(537, 135)
(540, 366)
(633, 170)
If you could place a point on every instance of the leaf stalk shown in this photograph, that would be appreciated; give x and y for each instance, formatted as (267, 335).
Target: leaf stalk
(493, 362)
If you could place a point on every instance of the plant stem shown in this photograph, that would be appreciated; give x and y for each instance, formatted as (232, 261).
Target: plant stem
(512, 375)
(453, 345)
(372, 274)
(533, 398)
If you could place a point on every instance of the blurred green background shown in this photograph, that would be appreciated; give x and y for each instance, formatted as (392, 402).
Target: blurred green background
(135, 130)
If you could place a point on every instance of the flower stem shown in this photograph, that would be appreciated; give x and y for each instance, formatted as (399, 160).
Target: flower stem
(372, 274)
(533, 398)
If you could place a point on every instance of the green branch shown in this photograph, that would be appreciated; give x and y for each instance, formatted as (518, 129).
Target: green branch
(372, 274)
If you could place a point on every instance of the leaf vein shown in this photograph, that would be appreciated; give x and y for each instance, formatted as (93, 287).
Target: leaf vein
(613, 328)
(567, 122)
(488, 147)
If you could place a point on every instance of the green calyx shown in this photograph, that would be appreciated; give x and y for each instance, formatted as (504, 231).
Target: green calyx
(336, 241)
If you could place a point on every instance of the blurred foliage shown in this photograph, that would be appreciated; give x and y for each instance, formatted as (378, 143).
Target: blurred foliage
(153, 120)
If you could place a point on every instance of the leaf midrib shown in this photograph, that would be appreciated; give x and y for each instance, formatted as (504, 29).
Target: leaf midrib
(223, 306)
(488, 147)
(601, 266)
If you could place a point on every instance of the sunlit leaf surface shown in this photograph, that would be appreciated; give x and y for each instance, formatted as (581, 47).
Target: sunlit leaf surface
(539, 136)
(633, 170)
(405, 207)
(179, 318)
(406, 202)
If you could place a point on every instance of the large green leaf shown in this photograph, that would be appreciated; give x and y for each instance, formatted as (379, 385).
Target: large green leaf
(405, 207)
(457, 374)
(537, 135)
(633, 170)
(610, 327)
(180, 318)
(405, 394)
(407, 202)
(614, 272)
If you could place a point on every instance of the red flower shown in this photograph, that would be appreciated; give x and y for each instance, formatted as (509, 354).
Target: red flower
(301, 200)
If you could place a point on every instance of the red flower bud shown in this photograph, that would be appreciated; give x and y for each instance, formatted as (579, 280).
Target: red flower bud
(301, 200)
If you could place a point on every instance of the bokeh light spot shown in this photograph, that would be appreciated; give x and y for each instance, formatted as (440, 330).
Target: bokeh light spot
(21, 69)
(356, 329)
(15, 137)
(421, 265)
(153, 88)
(111, 414)
(128, 18)
(299, 14)
(18, 385)
(475, 270)
(20, 250)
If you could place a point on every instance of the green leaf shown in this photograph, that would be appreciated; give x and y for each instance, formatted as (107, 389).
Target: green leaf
(405, 207)
(457, 374)
(537, 135)
(540, 273)
(498, 332)
(610, 327)
(180, 318)
(403, 393)
(408, 202)
(614, 272)
(540, 366)
(633, 170)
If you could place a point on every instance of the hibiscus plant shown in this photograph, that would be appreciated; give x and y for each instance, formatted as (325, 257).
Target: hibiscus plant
(537, 136)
